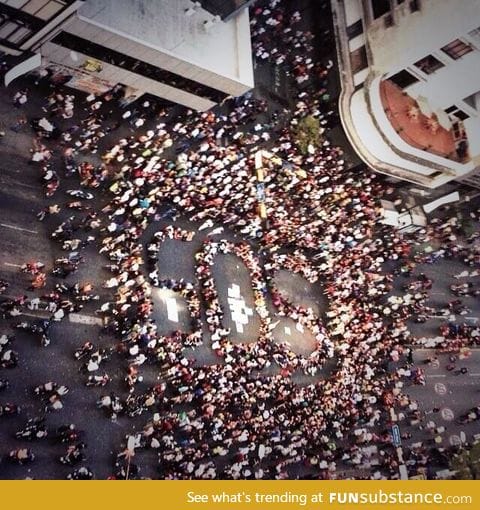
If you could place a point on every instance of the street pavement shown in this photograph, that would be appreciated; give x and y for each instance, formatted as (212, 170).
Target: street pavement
(446, 396)
(25, 239)
(448, 392)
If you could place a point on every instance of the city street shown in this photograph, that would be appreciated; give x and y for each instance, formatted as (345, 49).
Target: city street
(25, 239)
(282, 342)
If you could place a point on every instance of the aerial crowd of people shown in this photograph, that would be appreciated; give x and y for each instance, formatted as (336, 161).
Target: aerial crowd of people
(244, 416)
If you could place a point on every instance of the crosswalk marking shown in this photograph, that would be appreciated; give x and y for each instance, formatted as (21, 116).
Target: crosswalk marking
(85, 319)
(239, 311)
(440, 389)
(13, 227)
(9, 264)
(447, 414)
(172, 308)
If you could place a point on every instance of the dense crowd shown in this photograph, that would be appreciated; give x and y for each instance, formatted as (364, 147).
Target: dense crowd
(240, 417)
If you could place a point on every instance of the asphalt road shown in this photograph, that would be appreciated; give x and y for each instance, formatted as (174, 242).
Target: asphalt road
(23, 239)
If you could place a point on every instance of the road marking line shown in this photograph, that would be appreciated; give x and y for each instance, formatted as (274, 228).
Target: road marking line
(239, 311)
(84, 319)
(440, 388)
(9, 182)
(474, 375)
(172, 308)
(27, 314)
(436, 375)
(13, 227)
(29, 186)
(455, 440)
(447, 414)
(12, 265)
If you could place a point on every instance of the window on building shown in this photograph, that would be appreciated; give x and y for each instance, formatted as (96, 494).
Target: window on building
(388, 19)
(454, 110)
(414, 5)
(33, 6)
(7, 28)
(429, 64)
(460, 114)
(355, 29)
(17, 4)
(20, 19)
(380, 7)
(13, 31)
(50, 10)
(358, 59)
(19, 36)
(42, 9)
(457, 49)
(404, 79)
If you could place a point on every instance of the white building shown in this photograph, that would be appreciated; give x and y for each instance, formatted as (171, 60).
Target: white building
(173, 49)
(23, 23)
(410, 101)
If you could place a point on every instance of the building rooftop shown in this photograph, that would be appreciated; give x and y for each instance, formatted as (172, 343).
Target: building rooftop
(224, 8)
(220, 47)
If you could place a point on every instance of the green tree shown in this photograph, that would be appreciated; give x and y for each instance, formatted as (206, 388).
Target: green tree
(466, 463)
(468, 227)
(307, 132)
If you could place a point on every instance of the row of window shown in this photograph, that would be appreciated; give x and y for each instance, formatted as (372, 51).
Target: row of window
(429, 64)
(103, 54)
(13, 32)
(379, 9)
(455, 50)
(21, 19)
(42, 9)
(382, 7)
(457, 112)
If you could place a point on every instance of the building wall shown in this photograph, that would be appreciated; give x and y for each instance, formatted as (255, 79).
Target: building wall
(57, 54)
(353, 11)
(215, 53)
(390, 49)
(450, 84)
(155, 47)
(417, 34)
(154, 56)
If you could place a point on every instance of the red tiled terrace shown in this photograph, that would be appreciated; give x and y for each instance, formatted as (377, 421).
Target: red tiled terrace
(414, 127)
